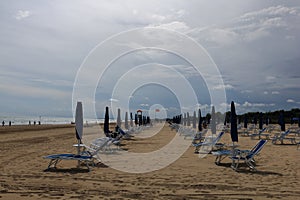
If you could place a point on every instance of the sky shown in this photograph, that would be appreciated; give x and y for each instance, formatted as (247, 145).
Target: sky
(254, 45)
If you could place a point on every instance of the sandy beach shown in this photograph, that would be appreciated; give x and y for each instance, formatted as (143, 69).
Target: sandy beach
(22, 174)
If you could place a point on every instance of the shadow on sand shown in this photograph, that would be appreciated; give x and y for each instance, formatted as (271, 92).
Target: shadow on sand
(243, 168)
(75, 170)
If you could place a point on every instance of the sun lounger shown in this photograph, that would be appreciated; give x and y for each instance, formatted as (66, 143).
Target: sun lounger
(80, 157)
(282, 137)
(56, 158)
(247, 156)
(260, 134)
(209, 143)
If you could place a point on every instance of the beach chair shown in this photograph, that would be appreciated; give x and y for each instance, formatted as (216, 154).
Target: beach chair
(247, 156)
(56, 158)
(86, 159)
(209, 143)
(282, 137)
(260, 134)
(125, 134)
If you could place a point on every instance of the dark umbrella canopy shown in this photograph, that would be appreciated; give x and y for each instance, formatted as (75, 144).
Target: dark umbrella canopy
(200, 121)
(255, 120)
(260, 121)
(136, 119)
(267, 120)
(106, 121)
(213, 124)
(233, 121)
(246, 121)
(126, 120)
(188, 121)
(281, 121)
(131, 120)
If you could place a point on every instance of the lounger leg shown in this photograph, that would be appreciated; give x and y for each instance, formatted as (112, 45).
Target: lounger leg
(251, 166)
(235, 164)
(217, 160)
(53, 163)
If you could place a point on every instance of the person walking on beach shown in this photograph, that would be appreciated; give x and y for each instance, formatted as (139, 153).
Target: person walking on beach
(3, 123)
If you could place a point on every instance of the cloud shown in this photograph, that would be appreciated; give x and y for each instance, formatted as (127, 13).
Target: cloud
(290, 101)
(225, 86)
(275, 92)
(22, 14)
(249, 27)
(113, 100)
(174, 25)
(248, 104)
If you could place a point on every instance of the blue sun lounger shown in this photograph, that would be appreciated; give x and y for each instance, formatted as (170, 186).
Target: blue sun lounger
(247, 156)
(80, 156)
(282, 137)
(236, 155)
(209, 144)
(260, 134)
(56, 158)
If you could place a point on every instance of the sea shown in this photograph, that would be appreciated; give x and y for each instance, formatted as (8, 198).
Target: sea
(25, 120)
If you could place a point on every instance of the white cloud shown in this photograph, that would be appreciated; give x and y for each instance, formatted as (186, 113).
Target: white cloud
(249, 27)
(275, 92)
(266, 92)
(174, 25)
(113, 100)
(225, 86)
(248, 104)
(22, 14)
(290, 101)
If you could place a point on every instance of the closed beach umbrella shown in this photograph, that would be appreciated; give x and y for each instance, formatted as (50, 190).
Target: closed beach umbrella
(213, 124)
(281, 121)
(194, 120)
(246, 121)
(233, 121)
(255, 120)
(79, 125)
(79, 121)
(119, 118)
(267, 120)
(136, 119)
(188, 122)
(126, 120)
(260, 121)
(106, 121)
(200, 121)
(184, 119)
(131, 120)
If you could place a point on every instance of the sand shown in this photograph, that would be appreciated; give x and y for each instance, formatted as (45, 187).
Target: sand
(22, 174)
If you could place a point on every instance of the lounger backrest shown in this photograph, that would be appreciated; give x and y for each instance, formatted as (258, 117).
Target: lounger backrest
(262, 130)
(218, 137)
(256, 149)
(286, 133)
